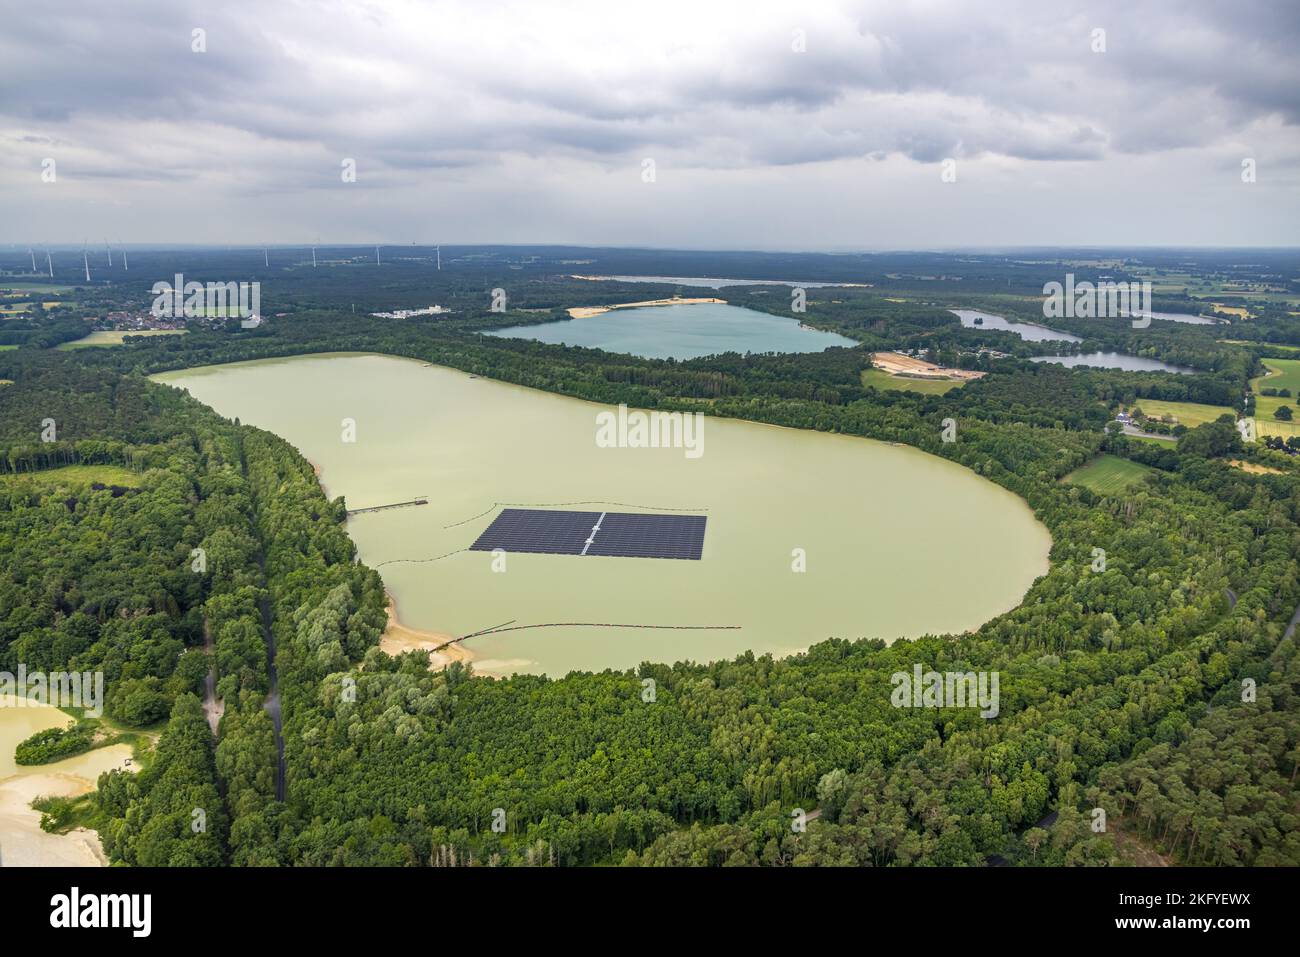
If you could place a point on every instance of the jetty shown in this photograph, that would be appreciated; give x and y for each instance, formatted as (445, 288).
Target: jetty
(421, 500)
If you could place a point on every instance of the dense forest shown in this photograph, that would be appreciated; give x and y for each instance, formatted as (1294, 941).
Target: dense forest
(1121, 688)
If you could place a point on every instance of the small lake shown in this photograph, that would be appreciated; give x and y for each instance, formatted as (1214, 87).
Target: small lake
(1115, 360)
(1025, 330)
(681, 332)
(1185, 318)
(897, 543)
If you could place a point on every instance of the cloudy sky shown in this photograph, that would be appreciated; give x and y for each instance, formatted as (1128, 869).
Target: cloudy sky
(796, 125)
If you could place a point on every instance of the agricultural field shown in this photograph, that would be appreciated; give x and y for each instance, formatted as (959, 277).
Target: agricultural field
(1190, 414)
(1210, 288)
(1272, 426)
(1247, 342)
(1240, 312)
(879, 379)
(1283, 374)
(34, 287)
(1108, 474)
(21, 308)
(110, 337)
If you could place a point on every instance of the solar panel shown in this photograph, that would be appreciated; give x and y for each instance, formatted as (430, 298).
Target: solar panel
(606, 534)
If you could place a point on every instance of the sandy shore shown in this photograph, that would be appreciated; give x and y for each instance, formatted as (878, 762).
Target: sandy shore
(398, 638)
(25, 844)
(585, 312)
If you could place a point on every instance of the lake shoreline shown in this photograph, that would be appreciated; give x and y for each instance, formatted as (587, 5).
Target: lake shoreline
(586, 312)
(744, 579)
(22, 842)
(398, 639)
(26, 845)
(655, 329)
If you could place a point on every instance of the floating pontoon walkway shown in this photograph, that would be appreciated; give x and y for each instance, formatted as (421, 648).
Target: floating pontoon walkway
(422, 500)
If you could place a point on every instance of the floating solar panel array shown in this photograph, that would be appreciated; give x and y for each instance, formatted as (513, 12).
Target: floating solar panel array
(611, 534)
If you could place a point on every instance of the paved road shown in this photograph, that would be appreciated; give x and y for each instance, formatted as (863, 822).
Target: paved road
(1295, 619)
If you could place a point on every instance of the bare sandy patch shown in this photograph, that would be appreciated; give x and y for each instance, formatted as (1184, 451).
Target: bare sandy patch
(586, 312)
(895, 363)
(1254, 468)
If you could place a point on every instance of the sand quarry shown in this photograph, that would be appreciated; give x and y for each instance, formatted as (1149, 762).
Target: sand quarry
(895, 363)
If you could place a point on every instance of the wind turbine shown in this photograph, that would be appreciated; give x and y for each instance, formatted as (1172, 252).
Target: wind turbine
(110, 253)
(49, 262)
(85, 260)
(33, 254)
(266, 257)
(313, 254)
(376, 255)
(438, 250)
(124, 263)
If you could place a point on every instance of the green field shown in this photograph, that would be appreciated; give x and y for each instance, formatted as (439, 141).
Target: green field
(1248, 342)
(879, 379)
(1108, 474)
(1211, 288)
(1190, 414)
(22, 287)
(1283, 374)
(82, 475)
(1272, 426)
(114, 338)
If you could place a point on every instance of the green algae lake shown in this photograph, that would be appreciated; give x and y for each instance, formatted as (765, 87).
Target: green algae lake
(894, 542)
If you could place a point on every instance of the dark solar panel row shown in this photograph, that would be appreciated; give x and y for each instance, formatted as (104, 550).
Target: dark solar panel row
(649, 536)
(608, 534)
(534, 530)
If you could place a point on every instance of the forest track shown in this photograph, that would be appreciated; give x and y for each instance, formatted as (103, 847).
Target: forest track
(272, 703)
(212, 706)
(1295, 620)
(273, 699)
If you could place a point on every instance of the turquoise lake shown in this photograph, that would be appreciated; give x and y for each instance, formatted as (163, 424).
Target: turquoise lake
(681, 332)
